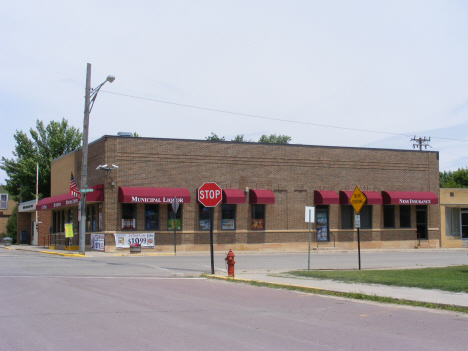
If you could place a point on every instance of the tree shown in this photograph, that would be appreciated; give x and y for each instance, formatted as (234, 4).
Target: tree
(135, 135)
(11, 225)
(214, 137)
(456, 179)
(240, 138)
(275, 139)
(46, 144)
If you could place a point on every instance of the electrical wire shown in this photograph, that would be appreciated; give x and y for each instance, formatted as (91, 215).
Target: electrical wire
(273, 119)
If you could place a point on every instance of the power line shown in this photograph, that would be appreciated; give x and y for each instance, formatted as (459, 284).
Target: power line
(270, 118)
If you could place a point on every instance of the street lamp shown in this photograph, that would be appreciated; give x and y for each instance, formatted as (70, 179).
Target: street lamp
(90, 98)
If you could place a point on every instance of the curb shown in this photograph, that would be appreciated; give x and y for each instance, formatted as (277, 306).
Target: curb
(348, 295)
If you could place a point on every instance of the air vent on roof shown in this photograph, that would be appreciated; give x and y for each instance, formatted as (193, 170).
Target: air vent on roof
(124, 134)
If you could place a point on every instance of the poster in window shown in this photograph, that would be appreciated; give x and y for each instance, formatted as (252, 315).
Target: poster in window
(100, 218)
(204, 224)
(170, 224)
(321, 218)
(128, 224)
(227, 224)
(97, 242)
(257, 224)
(322, 233)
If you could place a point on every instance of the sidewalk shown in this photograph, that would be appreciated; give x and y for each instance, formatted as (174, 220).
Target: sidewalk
(409, 294)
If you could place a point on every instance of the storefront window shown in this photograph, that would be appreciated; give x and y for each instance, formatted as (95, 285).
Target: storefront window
(203, 217)
(228, 217)
(452, 221)
(258, 216)
(366, 217)
(128, 217)
(405, 216)
(347, 213)
(389, 216)
(321, 215)
(152, 217)
(171, 222)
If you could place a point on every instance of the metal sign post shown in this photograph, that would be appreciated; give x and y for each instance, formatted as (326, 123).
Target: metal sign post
(357, 200)
(175, 207)
(309, 217)
(210, 195)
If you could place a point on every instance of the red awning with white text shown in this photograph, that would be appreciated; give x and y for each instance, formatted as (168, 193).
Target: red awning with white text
(409, 198)
(50, 203)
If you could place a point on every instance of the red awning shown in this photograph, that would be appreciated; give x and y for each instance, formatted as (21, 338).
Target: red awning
(409, 198)
(261, 196)
(325, 197)
(233, 196)
(153, 195)
(69, 200)
(372, 197)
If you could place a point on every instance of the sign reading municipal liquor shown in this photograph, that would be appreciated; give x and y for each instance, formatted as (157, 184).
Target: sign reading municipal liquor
(357, 199)
(210, 194)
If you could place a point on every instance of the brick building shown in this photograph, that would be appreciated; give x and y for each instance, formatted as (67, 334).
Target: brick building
(265, 190)
(7, 204)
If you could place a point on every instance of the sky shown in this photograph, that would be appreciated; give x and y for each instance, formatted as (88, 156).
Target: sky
(338, 73)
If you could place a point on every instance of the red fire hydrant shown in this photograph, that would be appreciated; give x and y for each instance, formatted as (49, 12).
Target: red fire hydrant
(230, 262)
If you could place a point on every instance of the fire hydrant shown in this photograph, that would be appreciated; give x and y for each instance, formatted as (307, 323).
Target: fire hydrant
(230, 262)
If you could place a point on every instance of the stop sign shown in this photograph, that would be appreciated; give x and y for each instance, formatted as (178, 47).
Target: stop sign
(210, 194)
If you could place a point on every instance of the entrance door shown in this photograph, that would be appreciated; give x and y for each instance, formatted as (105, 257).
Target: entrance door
(421, 221)
(464, 224)
(321, 218)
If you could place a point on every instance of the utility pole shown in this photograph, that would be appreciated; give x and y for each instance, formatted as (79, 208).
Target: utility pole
(420, 142)
(84, 165)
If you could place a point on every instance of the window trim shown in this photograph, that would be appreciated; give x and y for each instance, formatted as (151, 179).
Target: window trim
(252, 206)
(4, 207)
(235, 215)
(393, 215)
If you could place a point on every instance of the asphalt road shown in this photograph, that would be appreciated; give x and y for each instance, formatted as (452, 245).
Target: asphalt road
(148, 303)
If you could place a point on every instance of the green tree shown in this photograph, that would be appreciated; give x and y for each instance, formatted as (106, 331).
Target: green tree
(240, 138)
(456, 179)
(46, 144)
(275, 139)
(11, 225)
(135, 135)
(215, 137)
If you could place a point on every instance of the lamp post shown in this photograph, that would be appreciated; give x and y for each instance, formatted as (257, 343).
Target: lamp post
(90, 97)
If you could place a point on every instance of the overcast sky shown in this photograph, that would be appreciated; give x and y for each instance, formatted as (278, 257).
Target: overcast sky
(339, 73)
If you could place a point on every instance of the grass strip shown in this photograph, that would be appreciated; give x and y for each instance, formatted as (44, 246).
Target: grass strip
(356, 296)
(454, 278)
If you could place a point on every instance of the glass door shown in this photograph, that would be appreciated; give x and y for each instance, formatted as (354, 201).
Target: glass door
(321, 216)
(464, 224)
(421, 221)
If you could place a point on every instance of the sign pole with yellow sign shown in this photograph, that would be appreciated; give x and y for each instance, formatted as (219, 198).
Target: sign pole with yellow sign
(357, 200)
(69, 233)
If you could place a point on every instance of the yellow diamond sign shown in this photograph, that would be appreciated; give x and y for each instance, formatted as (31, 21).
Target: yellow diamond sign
(357, 199)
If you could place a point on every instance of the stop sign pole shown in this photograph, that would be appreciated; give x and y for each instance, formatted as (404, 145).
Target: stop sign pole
(210, 195)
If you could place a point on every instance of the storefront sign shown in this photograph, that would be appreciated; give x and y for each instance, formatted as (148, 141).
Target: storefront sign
(123, 241)
(414, 202)
(68, 230)
(163, 199)
(97, 242)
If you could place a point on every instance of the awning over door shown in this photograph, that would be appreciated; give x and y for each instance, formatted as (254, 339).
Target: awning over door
(153, 195)
(62, 200)
(325, 197)
(372, 197)
(261, 196)
(233, 196)
(409, 198)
